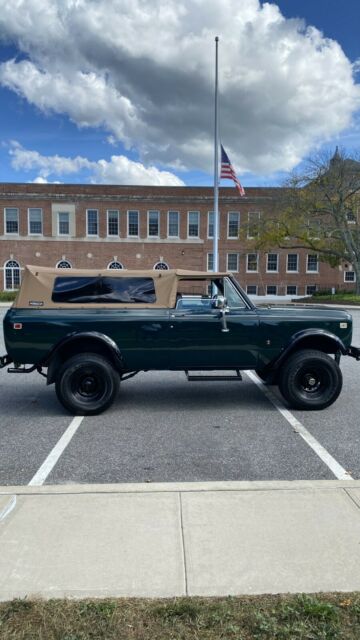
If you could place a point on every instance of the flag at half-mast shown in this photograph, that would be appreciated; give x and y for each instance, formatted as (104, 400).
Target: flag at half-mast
(227, 171)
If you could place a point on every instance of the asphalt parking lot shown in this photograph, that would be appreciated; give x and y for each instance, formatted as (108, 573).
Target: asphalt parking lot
(165, 429)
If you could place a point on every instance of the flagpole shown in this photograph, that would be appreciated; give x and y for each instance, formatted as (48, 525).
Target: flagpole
(216, 168)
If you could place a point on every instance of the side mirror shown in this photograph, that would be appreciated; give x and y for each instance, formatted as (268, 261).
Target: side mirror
(220, 302)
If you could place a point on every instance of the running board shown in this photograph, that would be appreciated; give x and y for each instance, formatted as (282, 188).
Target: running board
(216, 378)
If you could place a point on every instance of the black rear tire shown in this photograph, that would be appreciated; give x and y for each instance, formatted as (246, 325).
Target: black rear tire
(87, 384)
(310, 379)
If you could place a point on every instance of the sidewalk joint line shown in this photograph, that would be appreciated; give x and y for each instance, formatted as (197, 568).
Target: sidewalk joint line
(339, 472)
(183, 545)
(357, 505)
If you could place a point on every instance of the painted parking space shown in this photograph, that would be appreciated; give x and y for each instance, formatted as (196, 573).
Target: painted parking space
(164, 429)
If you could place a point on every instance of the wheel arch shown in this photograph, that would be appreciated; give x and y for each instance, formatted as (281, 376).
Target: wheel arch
(90, 341)
(317, 339)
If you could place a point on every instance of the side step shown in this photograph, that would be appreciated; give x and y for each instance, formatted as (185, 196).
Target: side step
(209, 378)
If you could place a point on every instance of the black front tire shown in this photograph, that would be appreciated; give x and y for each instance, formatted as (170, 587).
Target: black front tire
(87, 384)
(310, 379)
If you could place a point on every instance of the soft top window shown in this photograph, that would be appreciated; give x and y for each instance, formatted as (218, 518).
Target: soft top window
(102, 289)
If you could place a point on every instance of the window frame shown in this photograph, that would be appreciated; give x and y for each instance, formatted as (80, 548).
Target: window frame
(307, 263)
(349, 271)
(287, 263)
(232, 237)
(12, 233)
(63, 260)
(13, 269)
(267, 263)
(256, 289)
(133, 235)
(35, 233)
(274, 286)
(307, 286)
(247, 263)
(250, 213)
(108, 234)
(58, 223)
(296, 289)
(177, 235)
(92, 235)
(193, 237)
(157, 235)
(232, 253)
(210, 258)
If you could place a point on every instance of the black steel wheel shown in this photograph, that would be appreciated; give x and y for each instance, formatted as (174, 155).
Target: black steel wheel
(310, 379)
(87, 384)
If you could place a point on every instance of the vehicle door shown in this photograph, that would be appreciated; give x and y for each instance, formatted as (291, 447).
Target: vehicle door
(199, 339)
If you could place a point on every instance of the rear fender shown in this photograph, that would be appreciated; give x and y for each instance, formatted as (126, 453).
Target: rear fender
(89, 341)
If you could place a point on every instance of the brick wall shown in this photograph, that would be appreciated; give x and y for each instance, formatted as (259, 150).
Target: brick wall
(143, 252)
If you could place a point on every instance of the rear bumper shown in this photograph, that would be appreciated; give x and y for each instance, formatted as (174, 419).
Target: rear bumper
(5, 360)
(354, 352)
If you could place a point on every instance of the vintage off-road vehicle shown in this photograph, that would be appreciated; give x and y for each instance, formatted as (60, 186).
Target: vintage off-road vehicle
(93, 329)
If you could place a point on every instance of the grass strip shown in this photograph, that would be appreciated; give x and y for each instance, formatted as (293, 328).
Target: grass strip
(7, 296)
(277, 617)
(336, 298)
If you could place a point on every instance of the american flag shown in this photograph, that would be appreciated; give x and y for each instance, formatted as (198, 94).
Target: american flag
(227, 171)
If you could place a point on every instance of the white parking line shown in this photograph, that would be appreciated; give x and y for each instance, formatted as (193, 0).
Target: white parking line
(339, 472)
(10, 505)
(54, 455)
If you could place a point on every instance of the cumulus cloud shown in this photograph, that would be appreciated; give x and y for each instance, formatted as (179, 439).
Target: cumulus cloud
(143, 70)
(119, 170)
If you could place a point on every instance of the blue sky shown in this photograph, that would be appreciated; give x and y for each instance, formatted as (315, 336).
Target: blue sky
(107, 91)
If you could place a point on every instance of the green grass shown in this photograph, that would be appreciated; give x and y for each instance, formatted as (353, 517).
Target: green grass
(299, 617)
(7, 296)
(342, 297)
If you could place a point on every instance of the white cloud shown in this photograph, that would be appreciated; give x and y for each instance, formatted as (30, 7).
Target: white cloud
(119, 170)
(143, 70)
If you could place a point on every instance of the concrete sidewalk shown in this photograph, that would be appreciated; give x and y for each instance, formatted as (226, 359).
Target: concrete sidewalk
(160, 540)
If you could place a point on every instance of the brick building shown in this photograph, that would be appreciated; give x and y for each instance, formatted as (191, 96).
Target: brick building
(141, 227)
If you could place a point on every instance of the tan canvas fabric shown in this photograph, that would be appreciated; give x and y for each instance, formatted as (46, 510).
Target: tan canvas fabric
(38, 282)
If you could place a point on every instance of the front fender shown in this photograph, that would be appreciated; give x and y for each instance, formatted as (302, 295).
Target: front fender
(309, 339)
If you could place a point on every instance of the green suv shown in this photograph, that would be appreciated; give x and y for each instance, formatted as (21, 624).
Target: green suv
(88, 330)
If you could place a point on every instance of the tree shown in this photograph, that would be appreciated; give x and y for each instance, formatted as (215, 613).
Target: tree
(318, 209)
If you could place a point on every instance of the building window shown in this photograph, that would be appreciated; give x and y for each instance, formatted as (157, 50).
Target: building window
(133, 224)
(271, 290)
(113, 222)
(233, 262)
(310, 289)
(272, 262)
(349, 276)
(252, 260)
(64, 264)
(193, 224)
(291, 290)
(173, 224)
(153, 224)
(210, 228)
(92, 222)
(161, 266)
(251, 289)
(115, 265)
(35, 221)
(63, 223)
(292, 263)
(11, 275)
(312, 262)
(210, 262)
(233, 224)
(11, 220)
(253, 223)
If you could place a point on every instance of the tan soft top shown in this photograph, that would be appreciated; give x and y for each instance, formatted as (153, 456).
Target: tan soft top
(38, 283)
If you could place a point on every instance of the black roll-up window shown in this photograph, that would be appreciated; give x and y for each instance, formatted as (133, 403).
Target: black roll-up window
(80, 289)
